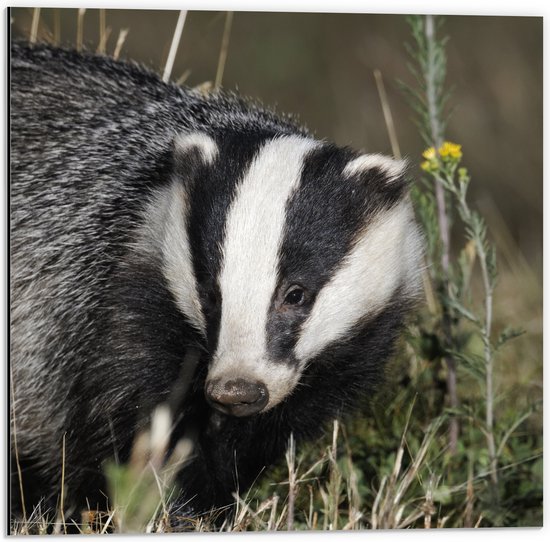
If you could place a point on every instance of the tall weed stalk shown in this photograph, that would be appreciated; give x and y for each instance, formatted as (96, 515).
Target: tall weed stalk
(464, 317)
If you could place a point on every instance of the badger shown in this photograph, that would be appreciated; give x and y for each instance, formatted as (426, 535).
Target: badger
(148, 221)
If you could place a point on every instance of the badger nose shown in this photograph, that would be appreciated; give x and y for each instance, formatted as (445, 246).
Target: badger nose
(238, 397)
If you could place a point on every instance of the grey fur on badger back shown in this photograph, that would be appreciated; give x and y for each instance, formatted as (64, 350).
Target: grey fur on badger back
(148, 222)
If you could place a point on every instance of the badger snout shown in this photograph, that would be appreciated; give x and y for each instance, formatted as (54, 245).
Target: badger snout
(237, 397)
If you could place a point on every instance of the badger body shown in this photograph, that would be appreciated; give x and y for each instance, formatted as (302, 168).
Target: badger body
(157, 233)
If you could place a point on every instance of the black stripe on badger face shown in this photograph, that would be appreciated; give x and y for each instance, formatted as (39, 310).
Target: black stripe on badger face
(323, 218)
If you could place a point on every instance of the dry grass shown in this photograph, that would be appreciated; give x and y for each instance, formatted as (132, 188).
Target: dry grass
(327, 490)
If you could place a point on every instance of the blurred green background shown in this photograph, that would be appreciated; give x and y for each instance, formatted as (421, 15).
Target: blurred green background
(320, 66)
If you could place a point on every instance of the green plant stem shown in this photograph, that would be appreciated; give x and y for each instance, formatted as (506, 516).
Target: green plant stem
(486, 330)
(431, 88)
(432, 97)
(482, 253)
(489, 410)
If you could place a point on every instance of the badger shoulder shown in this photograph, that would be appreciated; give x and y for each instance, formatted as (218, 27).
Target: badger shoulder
(98, 92)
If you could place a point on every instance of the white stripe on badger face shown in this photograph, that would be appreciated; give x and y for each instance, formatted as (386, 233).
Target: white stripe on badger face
(178, 263)
(384, 256)
(248, 277)
(164, 220)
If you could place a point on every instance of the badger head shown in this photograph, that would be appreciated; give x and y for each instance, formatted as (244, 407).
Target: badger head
(277, 249)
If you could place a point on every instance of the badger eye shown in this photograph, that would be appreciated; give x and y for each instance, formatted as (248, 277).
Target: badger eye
(295, 296)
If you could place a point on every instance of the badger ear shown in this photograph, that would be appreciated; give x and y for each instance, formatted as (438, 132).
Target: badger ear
(379, 169)
(391, 168)
(191, 152)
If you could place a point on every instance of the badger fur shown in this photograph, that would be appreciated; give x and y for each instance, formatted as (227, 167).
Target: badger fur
(148, 222)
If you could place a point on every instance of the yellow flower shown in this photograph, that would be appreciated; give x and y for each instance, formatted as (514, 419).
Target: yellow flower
(451, 151)
(432, 163)
(429, 154)
(426, 166)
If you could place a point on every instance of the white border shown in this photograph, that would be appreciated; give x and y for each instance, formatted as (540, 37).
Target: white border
(464, 7)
